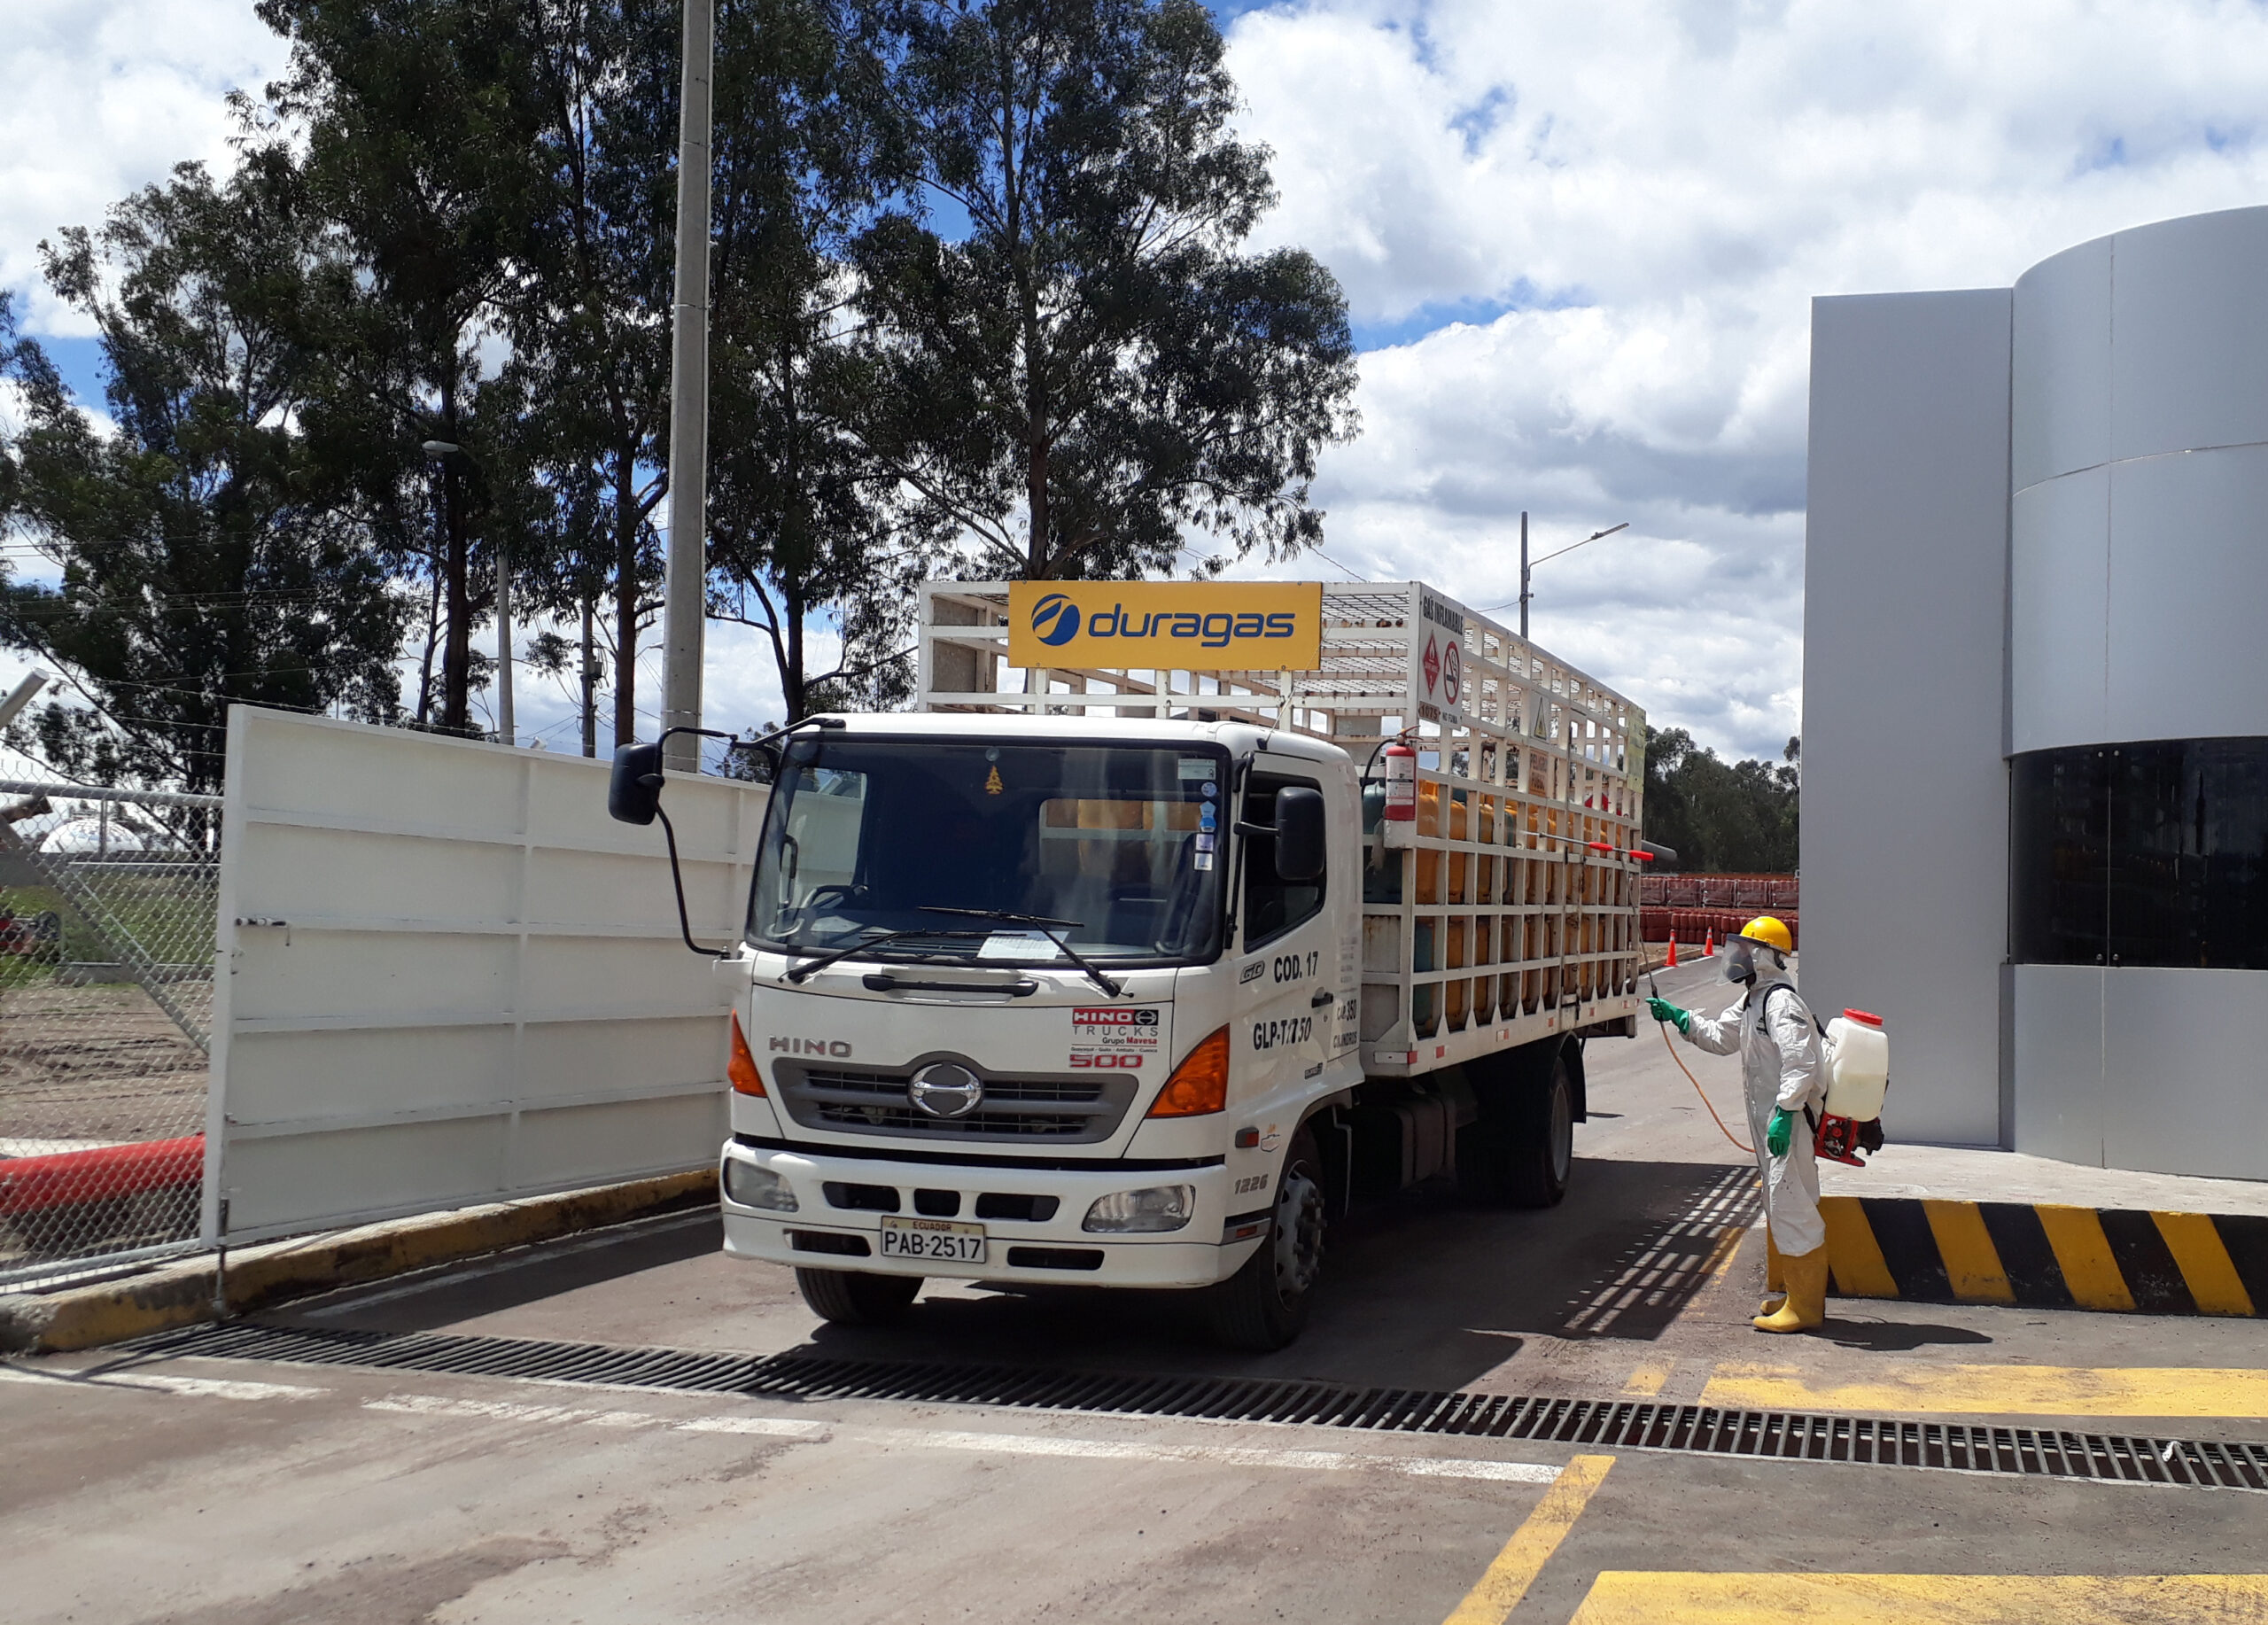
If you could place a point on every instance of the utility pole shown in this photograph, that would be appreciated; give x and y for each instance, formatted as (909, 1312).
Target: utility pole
(684, 597)
(1524, 592)
(504, 643)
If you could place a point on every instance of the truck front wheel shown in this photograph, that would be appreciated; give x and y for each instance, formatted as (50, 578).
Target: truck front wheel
(849, 1298)
(1263, 1305)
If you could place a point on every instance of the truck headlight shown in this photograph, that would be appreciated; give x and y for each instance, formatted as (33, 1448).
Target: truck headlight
(1160, 1207)
(749, 1186)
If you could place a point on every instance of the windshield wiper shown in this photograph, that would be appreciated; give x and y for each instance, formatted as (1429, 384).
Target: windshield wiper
(799, 972)
(1047, 928)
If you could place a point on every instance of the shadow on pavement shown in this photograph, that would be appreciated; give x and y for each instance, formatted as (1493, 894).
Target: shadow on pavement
(1423, 1291)
(441, 1299)
(1893, 1336)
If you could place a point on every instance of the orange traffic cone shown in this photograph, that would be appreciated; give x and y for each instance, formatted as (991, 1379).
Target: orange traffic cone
(1709, 946)
(1673, 952)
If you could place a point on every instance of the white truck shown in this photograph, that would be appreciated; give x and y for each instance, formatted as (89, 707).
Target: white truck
(1118, 964)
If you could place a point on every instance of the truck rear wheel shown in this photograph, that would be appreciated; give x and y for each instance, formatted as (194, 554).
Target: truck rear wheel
(1521, 1152)
(849, 1298)
(1543, 1141)
(1263, 1307)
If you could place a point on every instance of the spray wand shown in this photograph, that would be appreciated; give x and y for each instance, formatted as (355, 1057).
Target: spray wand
(1682, 1067)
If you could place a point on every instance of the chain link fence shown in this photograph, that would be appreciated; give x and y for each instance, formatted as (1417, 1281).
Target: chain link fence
(107, 900)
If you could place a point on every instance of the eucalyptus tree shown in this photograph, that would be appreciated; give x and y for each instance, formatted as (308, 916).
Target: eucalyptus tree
(421, 123)
(807, 526)
(1074, 357)
(205, 550)
(590, 327)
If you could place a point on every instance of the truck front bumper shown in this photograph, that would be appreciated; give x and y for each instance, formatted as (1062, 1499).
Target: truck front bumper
(825, 1233)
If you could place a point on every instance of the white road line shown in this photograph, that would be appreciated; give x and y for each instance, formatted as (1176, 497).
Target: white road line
(448, 1275)
(982, 1443)
(821, 1433)
(1221, 1455)
(505, 1411)
(207, 1388)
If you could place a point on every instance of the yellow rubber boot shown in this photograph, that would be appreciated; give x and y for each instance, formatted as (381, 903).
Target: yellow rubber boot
(1805, 1309)
(1775, 1275)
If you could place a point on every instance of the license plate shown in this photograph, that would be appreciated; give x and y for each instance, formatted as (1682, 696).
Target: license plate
(939, 1241)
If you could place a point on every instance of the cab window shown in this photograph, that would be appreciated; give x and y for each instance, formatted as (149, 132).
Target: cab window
(1272, 905)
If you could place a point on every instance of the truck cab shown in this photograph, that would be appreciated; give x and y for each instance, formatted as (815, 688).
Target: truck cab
(1034, 999)
(1243, 902)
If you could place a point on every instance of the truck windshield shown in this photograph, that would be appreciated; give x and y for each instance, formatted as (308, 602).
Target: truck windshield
(875, 835)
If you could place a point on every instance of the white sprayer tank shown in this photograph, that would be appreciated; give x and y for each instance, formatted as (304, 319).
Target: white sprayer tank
(1859, 1075)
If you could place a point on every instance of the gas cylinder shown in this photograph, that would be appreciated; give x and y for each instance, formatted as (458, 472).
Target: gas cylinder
(1401, 782)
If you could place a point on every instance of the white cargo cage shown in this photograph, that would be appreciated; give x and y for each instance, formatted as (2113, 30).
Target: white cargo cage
(1508, 911)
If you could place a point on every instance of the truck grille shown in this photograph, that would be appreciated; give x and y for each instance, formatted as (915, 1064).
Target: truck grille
(1072, 1111)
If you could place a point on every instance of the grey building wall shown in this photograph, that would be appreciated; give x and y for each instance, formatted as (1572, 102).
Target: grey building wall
(1905, 807)
(2139, 586)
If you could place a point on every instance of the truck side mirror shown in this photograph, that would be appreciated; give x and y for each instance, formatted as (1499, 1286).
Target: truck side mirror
(634, 795)
(1299, 856)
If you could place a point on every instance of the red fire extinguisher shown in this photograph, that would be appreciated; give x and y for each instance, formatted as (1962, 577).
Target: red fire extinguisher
(1400, 782)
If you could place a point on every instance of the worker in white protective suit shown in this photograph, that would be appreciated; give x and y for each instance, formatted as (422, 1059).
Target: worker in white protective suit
(1783, 1069)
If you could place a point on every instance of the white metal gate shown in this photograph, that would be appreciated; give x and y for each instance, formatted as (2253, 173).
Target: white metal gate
(446, 977)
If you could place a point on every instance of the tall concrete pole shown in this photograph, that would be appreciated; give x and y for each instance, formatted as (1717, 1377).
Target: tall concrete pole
(683, 601)
(1523, 576)
(504, 730)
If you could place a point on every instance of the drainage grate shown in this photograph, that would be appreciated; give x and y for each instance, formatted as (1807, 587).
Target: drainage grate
(1617, 1423)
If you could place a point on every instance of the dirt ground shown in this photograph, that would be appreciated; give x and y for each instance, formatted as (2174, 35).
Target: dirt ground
(99, 1063)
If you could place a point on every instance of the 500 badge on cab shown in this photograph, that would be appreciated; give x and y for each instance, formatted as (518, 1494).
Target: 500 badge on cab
(1291, 1030)
(1120, 1058)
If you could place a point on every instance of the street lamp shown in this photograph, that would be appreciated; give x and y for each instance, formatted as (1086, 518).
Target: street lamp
(1525, 594)
(443, 452)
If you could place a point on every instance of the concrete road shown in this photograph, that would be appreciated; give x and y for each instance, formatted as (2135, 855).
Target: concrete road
(210, 1490)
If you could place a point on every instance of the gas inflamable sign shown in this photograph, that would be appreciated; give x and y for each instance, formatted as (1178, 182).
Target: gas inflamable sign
(1172, 626)
(1437, 659)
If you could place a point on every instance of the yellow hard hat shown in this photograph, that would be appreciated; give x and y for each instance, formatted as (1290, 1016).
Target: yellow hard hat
(1765, 929)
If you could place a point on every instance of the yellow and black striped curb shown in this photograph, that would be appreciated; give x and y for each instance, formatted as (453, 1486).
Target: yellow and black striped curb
(181, 1294)
(2043, 1256)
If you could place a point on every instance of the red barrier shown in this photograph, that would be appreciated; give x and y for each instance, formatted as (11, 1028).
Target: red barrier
(1691, 925)
(30, 1184)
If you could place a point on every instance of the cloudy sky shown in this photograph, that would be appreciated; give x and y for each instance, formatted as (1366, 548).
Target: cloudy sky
(1579, 243)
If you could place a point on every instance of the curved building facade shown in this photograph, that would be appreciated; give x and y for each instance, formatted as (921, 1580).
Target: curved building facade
(2128, 793)
(2137, 697)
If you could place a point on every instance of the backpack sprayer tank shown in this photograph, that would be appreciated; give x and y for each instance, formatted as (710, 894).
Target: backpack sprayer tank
(1859, 1076)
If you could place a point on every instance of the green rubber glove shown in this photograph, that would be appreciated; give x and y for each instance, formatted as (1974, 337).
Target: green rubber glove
(1783, 1131)
(1662, 1010)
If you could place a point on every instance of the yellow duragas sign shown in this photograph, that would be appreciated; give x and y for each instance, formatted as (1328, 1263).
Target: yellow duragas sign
(1174, 625)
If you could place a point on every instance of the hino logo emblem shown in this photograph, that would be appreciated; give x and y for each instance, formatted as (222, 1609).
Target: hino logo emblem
(945, 1090)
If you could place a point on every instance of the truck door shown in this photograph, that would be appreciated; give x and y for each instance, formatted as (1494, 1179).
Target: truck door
(1287, 953)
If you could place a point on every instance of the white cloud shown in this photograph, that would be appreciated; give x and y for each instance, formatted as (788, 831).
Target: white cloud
(103, 97)
(1597, 230)
(1591, 234)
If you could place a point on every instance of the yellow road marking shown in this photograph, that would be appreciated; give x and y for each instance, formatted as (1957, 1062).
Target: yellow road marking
(1500, 1590)
(2001, 1390)
(1851, 1249)
(2197, 1247)
(2083, 1253)
(1972, 1263)
(1622, 1598)
(1647, 1381)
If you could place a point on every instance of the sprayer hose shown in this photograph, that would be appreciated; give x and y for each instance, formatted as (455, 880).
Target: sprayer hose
(1690, 1079)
